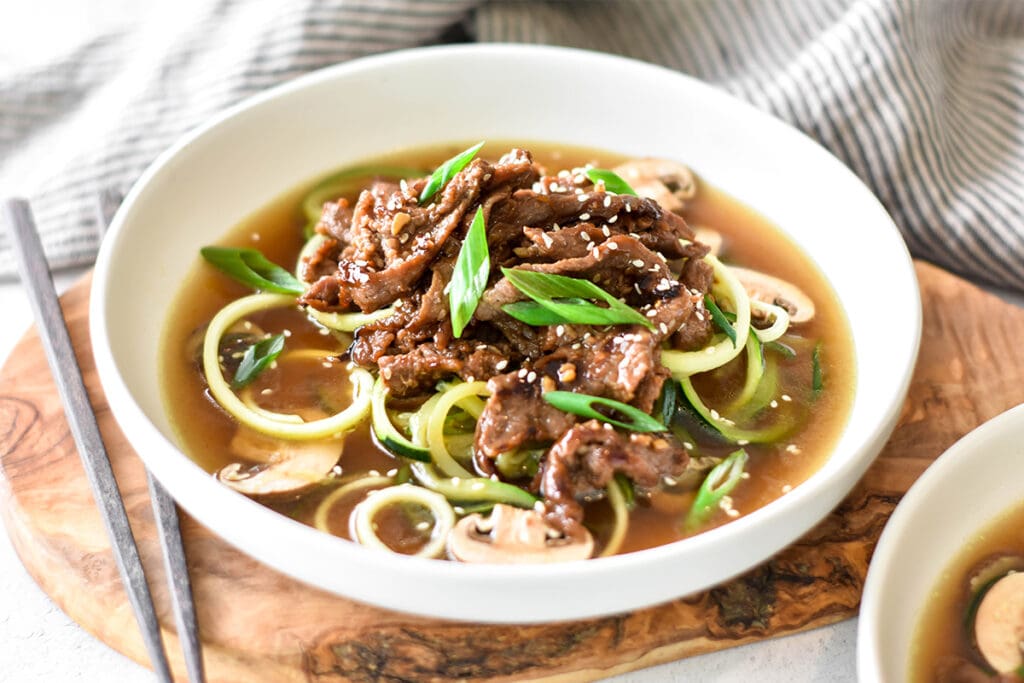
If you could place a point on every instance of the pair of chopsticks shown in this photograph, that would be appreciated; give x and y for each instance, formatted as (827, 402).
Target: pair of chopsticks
(35, 275)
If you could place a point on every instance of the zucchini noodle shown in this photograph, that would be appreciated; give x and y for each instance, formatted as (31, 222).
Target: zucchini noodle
(682, 364)
(348, 322)
(727, 427)
(321, 517)
(472, 489)
(279, 426)
(250, 403)
(435, 426)
(621, 524)
(780, 321)
(444, 517)
(755, 371)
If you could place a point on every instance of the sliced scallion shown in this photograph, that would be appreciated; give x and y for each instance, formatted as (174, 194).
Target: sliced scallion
(583, 405)
(256, 359)
(817, 380)
(613, 182)
(567, 297)
(720, 320)
(469, 279)
(446, 171)
(720, 482)
(250, 267)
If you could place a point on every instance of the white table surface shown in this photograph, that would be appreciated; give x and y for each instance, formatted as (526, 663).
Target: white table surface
(39, 643)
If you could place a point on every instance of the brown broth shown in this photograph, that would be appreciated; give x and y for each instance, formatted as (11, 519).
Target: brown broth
(205, 431)
(941, 638)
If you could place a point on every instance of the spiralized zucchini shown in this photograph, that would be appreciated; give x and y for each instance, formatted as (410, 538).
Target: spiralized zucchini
(683, 364)
(621, 524)
(321, 517)
(279, 425)
(780, 321)
(435, 426)
(444, 517)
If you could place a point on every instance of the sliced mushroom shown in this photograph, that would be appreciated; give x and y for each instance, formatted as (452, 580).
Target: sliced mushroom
(772, 290)
(709, 236)
(999, 624)
(669, 183)
(282, 466)
(515, 536)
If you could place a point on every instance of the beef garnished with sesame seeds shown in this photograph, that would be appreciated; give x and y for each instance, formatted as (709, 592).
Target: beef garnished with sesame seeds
(388, 250)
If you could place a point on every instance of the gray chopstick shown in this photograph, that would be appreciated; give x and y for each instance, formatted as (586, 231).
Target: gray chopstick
(168, 527)
(35, 275)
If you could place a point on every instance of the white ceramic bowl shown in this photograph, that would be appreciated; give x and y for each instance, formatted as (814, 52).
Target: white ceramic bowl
(966, 489)
(230, 167)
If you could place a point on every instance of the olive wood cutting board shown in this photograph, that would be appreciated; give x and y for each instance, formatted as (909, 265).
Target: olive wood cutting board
(258, 625)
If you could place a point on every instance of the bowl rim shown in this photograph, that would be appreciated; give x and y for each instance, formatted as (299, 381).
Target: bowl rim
(138, 428)
(886, 558)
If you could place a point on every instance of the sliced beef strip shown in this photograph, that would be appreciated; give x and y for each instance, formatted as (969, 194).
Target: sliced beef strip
(584, 460)
(623, 365)
(393, 239)
(417, 372)
(515, 414)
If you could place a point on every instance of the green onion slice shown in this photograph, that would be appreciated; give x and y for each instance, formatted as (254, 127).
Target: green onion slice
(250, 267)
(582, 405)
(720, 319)
(817, 380)
(566, 297)
(613, 182)
(720, 482)
(446, 171)
(469, 279)
(256, 359)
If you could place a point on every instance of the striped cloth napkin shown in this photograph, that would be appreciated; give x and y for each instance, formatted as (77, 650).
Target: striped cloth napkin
(923, 99)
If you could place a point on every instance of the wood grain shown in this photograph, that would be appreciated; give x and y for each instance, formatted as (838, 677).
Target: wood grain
(257, 625)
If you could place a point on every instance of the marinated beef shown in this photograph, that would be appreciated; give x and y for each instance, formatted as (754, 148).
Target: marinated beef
(582, 463)
(387, 249)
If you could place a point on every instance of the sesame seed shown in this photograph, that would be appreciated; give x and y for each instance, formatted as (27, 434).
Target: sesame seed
(774, 404)
(792, 448)
(638, 263)
(422, 526)
(607, 202)
(324, 331)
(583, 196)
(613, 219)
(267, 392)
(522, 373)
(392, 472)
(327, 364)
(651, 313)
(715, 415)
(286, 333)
(612, 246)
(477, 486)
(733, 512)
(629, 208)
(787, 488)
(385, 373)
(687, 445)
(584, 216)
(531, 376)
(560, 330)
(606, 231)
(663, 327)
(501, 364)
(786, 397)
(586, 236)
(487, 176)
(742, 442)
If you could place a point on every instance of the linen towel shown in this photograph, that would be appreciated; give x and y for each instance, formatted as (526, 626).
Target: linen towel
(923, 99)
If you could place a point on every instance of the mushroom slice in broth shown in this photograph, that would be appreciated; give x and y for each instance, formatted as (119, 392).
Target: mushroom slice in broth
(512, 535)
(280, 467)
(669, 183)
